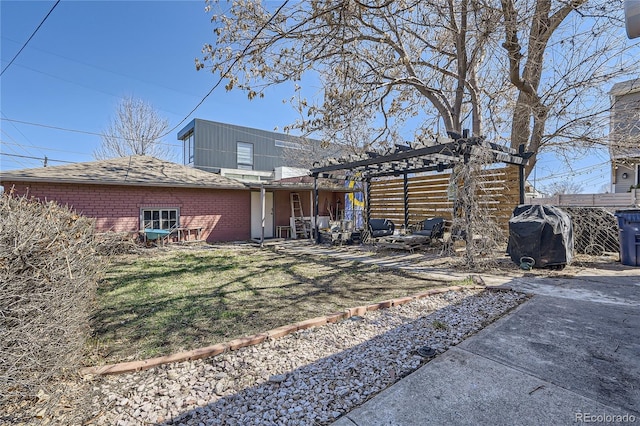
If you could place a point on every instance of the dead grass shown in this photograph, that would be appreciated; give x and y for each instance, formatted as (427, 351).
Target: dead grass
(163, 301)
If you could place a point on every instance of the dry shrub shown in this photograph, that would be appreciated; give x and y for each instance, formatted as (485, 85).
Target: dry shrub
(474, 218)
(115, 243)
(48, 273)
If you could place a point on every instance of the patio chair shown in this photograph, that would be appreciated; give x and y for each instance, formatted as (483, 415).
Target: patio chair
(381, 227)
(432, 228)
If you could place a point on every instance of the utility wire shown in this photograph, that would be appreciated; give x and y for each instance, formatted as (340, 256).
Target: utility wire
(30, 37)
(215, 86)
(75, 130)
(36, 158)
(43, 148)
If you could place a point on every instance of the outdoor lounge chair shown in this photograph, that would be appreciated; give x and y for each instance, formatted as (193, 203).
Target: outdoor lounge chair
(432, 228)
(381, 227)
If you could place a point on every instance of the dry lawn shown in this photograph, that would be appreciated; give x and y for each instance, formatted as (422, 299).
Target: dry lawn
(168, 300)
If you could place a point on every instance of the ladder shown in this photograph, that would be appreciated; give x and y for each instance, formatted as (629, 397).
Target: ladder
(299, 224)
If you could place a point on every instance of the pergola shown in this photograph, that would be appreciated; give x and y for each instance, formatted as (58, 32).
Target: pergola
(403, 160)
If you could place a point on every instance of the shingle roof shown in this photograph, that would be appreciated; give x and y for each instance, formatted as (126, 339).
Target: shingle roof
(138, 170)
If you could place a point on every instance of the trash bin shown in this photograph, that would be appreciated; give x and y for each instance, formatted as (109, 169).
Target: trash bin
(629, 226)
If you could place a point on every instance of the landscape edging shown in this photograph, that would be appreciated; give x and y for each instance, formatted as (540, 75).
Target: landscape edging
(235, 344)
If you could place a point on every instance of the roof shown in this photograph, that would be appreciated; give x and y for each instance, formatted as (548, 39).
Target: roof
(136, 170)
(305, 182)
(625, 88)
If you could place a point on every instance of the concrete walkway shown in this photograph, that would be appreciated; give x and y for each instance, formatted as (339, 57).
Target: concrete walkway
(571, 354)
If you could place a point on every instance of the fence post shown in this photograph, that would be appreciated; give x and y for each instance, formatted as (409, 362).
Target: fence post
(405, 188)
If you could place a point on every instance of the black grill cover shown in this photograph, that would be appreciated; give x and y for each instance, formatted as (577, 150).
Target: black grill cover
(543, 233)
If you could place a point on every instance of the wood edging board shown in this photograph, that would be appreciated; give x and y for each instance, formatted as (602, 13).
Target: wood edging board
(217, 349)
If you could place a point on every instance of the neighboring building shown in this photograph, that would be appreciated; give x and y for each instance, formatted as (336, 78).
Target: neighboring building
(132, 193)
(530, 191)
(624, 135)
(244, 153)
(129, 194)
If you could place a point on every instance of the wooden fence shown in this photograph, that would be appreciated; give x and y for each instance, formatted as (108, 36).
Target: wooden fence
(621, 200)
(431, 196)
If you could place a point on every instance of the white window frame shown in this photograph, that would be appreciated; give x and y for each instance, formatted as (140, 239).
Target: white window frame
(240, 163)
(163, 221)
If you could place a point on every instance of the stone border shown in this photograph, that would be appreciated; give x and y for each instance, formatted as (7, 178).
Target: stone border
(209, 351)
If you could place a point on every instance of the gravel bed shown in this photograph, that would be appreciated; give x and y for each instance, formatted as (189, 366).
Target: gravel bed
(306, 378)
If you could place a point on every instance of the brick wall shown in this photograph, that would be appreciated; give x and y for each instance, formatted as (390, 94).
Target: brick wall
(224, 215)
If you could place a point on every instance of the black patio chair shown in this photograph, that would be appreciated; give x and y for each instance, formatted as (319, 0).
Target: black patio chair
(381, 227)
(432, 228)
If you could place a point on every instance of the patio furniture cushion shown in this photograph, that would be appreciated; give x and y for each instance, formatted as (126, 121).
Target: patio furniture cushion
(433, 228)
(381, 227)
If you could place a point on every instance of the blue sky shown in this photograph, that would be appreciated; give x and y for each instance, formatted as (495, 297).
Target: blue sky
(90, 54)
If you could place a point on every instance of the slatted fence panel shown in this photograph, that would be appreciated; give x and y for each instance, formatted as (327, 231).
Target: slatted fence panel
(498, 193)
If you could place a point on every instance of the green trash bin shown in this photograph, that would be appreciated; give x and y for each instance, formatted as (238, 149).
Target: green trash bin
(629, 232)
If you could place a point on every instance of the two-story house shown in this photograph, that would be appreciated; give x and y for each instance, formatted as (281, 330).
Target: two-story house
(275, 167)
(246, 153)
(624, 143)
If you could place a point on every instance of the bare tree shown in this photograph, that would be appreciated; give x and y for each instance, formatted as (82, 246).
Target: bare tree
(562, 187)
(383, 65)
(530, 72)
(562, 56)
(136, 129)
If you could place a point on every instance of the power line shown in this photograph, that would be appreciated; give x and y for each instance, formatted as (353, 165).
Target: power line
(30, 37)
(18, 130)
(45, 159)
(77, 131)
(22, 148)
(215, 86)
(44, 148)
(129, 76)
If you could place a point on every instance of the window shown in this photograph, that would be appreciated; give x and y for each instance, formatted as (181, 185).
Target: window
(188, 148)
(245, 156)
(288, 144)
(159, 218)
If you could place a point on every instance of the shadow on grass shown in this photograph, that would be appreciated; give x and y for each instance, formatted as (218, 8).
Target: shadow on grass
(158, 306)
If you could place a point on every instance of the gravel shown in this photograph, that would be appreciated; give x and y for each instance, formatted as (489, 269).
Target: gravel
(306, 378)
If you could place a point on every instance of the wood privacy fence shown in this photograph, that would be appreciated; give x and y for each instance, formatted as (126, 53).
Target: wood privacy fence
(432, 196)
(621, 200)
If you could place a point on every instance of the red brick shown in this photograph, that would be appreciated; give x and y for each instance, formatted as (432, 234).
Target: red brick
(224, 215)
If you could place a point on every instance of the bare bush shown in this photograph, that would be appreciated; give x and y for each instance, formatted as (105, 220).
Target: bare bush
(48, 273)
(115, 243)
(474, 217)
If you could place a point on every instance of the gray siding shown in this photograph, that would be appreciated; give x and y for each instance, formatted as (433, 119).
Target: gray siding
(625, 125)
(216, 144)
(623, 185)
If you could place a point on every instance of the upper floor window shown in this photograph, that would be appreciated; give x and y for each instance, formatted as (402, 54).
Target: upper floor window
(188, 145)
(245, 156)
